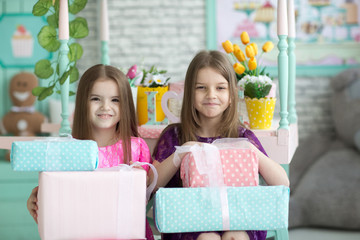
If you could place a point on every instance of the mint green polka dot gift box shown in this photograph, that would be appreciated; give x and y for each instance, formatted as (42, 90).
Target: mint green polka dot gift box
(54, 154)
(217, 209)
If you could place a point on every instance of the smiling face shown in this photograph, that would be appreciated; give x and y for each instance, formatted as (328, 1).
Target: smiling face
(212, 96)
(20, 89)
(104, 105)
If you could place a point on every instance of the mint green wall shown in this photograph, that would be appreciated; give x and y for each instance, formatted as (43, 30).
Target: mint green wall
(15, 7)
(15, 187)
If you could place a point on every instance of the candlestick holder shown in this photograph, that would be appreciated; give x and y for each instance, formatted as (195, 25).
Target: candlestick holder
(63, 67)
(283, 67)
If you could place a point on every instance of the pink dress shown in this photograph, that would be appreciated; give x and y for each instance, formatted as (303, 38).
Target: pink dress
(113, 155)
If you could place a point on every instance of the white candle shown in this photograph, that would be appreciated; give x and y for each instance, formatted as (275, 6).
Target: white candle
(282, 23)
(104, 28)
(291, 18)
(63, 20)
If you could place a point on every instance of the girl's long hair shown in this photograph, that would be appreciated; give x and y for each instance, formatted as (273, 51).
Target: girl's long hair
(126, 127)
(190, 122)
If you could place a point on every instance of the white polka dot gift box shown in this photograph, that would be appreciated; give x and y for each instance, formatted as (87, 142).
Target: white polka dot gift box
(216, 209)
(211, 165)
(54, 154)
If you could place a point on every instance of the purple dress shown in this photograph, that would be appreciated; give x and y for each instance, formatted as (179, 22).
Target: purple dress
(166, 147)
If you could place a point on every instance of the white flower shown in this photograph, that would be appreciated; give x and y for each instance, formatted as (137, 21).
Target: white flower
(265, 79)
(159, 79)
(148, 80)
(262, 79)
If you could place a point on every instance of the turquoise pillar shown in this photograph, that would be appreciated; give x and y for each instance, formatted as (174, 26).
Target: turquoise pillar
(292, 79)
(283, 80)
(63, 67)
(105, 53)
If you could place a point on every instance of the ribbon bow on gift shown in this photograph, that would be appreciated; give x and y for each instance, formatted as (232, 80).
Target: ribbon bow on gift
(208, 162)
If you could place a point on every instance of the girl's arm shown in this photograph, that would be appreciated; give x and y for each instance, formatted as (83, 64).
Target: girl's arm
(167, 169)
(271, 171)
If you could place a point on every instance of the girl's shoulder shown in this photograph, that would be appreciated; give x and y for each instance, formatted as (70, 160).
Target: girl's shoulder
(244, 132)
(172, 131)
(138, 141)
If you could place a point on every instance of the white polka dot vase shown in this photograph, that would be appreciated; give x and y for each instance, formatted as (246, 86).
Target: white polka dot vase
(260, 112)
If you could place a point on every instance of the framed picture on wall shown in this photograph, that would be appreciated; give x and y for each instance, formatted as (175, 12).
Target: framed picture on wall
(327, 31)
(18, 43)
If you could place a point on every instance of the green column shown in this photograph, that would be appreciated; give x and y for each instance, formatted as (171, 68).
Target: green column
(63, 67)
(292, 78)
(283, 65)
(105, 53)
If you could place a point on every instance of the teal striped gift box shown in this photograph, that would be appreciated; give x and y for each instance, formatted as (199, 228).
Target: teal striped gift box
(54, 154)
(217, 209)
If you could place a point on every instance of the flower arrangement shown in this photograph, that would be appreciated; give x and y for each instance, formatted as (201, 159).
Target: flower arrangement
(252, 78)
(147, 78)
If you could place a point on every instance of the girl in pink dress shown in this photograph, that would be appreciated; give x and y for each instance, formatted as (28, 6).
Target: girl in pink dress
(105, 113)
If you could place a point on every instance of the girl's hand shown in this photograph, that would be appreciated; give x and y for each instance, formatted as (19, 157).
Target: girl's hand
(147, 176)
(32, 203)
(190, 143)
(138, 167)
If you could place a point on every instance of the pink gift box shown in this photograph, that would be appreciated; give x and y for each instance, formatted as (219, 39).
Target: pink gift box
(231, 166)
(107, 203)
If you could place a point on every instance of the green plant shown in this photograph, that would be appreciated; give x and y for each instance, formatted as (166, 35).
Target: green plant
(48, 39)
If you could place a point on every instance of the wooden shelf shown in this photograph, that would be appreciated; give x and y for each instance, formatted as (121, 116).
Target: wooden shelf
(280, 144)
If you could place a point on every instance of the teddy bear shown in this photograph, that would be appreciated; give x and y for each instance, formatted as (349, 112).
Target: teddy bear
(325, 172)
(22, 120)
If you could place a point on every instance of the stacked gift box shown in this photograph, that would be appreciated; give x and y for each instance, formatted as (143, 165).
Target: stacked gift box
(75, 199)
(220, 192)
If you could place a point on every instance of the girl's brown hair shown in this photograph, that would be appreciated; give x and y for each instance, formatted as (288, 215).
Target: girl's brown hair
(190, 121)
(126, 127)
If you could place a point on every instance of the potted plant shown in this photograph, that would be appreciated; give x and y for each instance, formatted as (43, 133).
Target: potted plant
(254, 84)
(151, 86)
(48, 39)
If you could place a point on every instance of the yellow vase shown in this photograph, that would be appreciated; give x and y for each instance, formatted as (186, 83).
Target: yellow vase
(147, 110)
(260, 111)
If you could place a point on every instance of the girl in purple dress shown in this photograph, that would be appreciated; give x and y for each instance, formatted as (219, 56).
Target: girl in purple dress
(105, 113)
(209, 112)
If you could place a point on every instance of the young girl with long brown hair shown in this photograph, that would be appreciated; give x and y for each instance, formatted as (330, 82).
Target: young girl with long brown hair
(209, 112)
(105, 113)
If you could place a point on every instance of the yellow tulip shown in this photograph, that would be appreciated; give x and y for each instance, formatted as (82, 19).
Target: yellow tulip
(239, 68)
(236, 47)
(250, 52)
(228, 46)
(245, 39)
(239, 54)
(268, 46)
(252, 64)
(255, 47)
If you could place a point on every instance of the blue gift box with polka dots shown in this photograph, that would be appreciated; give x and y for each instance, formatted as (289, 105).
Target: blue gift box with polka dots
(54, 154)
(204, 209)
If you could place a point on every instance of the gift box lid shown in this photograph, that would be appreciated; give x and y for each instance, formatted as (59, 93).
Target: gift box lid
(54, 154)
